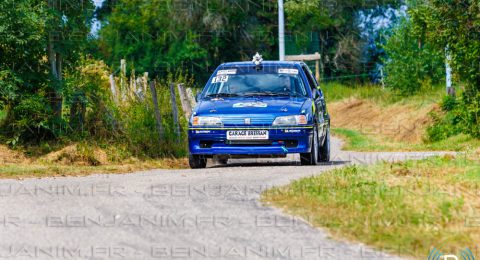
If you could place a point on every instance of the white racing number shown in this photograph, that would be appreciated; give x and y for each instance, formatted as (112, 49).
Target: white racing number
(219, 79)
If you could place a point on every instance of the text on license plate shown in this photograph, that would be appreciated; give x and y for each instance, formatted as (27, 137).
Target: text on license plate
(247, 135)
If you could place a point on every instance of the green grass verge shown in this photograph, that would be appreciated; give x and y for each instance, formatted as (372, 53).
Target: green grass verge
(426, 96)
(405, 208)
(357, 141)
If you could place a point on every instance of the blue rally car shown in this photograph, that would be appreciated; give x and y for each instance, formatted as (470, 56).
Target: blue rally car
(260, 109)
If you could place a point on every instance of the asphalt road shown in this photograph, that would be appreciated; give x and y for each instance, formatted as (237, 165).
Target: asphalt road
(212, 213)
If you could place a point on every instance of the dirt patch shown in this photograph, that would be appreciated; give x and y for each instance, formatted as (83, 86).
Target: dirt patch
(8, 155)
(405, 123)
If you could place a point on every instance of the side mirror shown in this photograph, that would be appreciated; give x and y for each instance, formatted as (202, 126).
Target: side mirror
(197, 97)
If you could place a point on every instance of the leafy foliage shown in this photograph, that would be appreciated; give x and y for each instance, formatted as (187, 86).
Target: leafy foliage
(30, 31)
(455, 26)
(409, 63)
(22, 71)
(165, 35)
(88, 99)
(333, 26)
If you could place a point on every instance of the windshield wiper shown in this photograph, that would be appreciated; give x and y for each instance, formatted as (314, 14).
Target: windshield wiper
(267, 93)
(216, 95)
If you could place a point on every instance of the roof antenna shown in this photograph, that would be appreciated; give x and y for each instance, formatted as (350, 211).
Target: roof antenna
(257, 60)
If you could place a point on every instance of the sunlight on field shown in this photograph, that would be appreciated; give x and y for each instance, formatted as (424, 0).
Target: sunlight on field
(357, 141)
(337, 91)
(401, 207)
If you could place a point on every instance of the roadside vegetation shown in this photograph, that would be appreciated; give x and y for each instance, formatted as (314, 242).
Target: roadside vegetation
(76, 159)
(369, 118)
(403, 208)
(357, 141)
(428, 94)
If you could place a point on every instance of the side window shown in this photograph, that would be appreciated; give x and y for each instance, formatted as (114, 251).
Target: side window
(311, 81)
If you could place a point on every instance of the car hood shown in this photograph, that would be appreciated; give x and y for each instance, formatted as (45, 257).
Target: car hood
(269, 105)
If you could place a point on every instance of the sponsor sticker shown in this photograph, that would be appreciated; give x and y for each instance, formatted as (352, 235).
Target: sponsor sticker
(292, 131)
(288, 71)
(250, 104)
(227, 72)
(247, 135)
(219, 79)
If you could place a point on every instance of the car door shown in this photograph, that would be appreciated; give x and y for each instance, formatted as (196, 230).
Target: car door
(319, 100)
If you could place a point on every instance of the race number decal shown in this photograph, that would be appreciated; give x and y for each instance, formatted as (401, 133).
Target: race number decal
(219, 79)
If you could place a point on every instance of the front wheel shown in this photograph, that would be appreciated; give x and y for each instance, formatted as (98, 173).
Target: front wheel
(197, 161)
(325, 148)
(311, 158)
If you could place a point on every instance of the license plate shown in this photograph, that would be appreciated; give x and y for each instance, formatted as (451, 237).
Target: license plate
(247, 135)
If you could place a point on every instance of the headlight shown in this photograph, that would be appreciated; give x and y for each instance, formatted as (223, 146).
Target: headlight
(290, 120)
(206, 121)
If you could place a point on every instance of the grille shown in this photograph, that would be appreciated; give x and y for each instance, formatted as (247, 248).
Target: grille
(255, 119)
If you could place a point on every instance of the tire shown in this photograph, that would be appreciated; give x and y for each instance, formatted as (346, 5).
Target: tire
(223, 161)
(311, 158)
(197, 161)
(324, 153)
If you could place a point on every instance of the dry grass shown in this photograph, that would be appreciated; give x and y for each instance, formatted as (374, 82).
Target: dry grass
(76, 160)
(37, 170)
(398, 122)
(405, 208)
(11, 156)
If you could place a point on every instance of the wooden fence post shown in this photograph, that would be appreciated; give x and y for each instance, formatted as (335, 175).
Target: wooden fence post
(133, 84)
(186, 106)
(113, 88)
(175, 111)
(191, 97)
(145, 82)
(158, 117)
(123, 79)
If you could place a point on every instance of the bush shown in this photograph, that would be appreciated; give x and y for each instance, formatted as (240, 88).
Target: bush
(32, 118)
(408, 66)
(140, 129)
(458, 116)
(89, 101)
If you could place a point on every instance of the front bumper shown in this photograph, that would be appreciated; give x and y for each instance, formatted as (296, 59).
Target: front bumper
(213, 141)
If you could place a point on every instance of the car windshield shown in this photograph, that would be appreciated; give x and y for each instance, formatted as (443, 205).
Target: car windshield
(229, 83)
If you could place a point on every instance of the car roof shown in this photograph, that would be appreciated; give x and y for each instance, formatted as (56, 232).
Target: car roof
(264, 63)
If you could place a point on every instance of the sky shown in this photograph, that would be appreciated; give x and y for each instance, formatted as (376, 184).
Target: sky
(96, 23)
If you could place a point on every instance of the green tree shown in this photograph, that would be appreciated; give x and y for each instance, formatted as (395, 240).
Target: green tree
(455, 26)
(167, 34)
(333, 27)
(68, 27)
(409, 63)
(23, 74)
(38, 39)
